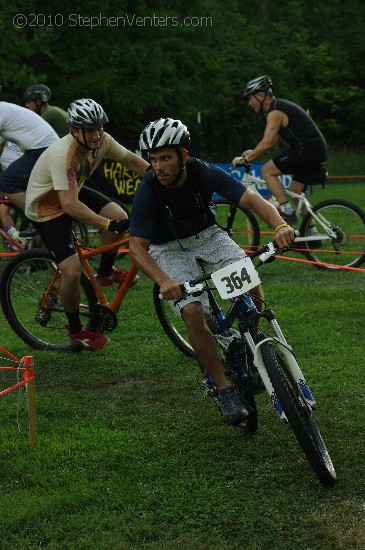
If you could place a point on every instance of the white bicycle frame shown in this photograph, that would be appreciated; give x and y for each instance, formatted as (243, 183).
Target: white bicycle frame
(251, 182)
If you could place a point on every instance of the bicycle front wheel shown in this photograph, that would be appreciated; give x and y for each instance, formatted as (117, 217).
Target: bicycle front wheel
(173, 326)
(23, 283)
(239, 223)
(298, 414)
(341, 225)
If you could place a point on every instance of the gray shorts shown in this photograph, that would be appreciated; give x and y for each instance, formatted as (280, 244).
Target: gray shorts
(210, 250)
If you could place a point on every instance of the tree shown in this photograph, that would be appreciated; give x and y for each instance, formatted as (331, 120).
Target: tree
(176, 60)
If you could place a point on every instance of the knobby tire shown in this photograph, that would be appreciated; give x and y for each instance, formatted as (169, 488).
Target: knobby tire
(171, 324)
(23, 282)
(299, 415)
(348, 248)
(240, 223)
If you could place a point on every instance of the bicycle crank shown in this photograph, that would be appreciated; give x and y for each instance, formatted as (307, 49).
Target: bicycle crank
(102, 318)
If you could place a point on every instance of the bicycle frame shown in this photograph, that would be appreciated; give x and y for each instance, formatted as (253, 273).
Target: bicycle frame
(85, 253)
(5, 236)
(12, 242)
(303, 204)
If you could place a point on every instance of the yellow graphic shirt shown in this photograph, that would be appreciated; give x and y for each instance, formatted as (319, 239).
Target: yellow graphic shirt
(64, 165)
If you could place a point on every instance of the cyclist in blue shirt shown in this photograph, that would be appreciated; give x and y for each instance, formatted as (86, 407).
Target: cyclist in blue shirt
(174, 234)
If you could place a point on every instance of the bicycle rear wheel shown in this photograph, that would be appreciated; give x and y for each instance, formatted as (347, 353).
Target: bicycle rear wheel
(173, 326)
(239, 223)
(347, 221)
(22, 286)
(298, 414)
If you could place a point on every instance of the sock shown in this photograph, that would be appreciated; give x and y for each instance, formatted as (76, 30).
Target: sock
(74, 323)
(106, 263)
(286, 208)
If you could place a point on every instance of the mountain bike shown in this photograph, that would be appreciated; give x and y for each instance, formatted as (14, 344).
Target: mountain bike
(30, 299)
(254, 359)
(332, 232)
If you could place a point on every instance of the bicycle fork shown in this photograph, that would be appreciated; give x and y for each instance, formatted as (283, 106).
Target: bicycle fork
(286, 351)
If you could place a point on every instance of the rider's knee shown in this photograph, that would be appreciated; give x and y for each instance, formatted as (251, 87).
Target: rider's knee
(296, 186)
(71, 270)
(268, 170)
(193, 313)
(113, 211)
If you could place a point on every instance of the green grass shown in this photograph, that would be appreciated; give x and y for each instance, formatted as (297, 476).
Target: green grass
(132, 455)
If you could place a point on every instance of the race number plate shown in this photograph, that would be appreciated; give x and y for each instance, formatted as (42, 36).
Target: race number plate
(236, 279)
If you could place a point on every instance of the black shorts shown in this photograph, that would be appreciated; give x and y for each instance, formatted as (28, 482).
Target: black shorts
(304, 167)
(15, 178)
(57, 233)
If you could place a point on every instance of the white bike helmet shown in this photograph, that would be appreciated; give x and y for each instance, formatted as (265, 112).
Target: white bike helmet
(259, 84)
(86, 113)
(163, 133)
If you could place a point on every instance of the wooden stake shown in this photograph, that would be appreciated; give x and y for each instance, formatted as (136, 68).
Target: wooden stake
(29, 373)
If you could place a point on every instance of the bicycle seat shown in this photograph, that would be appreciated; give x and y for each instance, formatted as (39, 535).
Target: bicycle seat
(28, 233)
(316, 176)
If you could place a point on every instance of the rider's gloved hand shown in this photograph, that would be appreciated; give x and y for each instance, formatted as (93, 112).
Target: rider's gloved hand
(238, 161)
(117, 226)
(245, 159)
(242, 160)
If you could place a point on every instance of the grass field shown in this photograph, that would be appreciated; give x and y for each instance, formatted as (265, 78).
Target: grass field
(131, 454)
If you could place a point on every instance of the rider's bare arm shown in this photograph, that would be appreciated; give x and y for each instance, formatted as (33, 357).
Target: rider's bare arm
(274, 121)
(78, 210)
(138, 250)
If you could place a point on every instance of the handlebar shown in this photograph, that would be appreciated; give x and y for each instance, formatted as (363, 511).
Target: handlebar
(247, 167)
(266, 254)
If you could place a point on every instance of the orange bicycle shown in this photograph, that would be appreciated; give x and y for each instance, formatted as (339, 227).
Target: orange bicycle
(30, 299)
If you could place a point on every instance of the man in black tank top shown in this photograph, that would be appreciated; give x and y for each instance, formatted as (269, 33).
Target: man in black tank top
(307, 152)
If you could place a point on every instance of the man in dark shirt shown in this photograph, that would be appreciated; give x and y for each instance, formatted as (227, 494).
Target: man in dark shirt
(173, 233)
(307, 151)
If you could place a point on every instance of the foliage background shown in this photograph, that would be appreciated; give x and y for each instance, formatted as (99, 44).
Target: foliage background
(142, 69)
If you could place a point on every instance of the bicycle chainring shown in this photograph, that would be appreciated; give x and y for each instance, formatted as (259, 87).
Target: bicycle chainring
(103, 318)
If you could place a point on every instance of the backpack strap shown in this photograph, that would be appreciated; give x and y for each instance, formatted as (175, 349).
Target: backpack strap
(148, 177)
(193, 172)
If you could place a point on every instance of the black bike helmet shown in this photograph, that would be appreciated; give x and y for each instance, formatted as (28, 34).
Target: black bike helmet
(259, 84)
(163, 133)
(38, 91)
(86, 113)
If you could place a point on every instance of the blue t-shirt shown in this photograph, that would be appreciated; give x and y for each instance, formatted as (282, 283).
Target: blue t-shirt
(163, 214)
